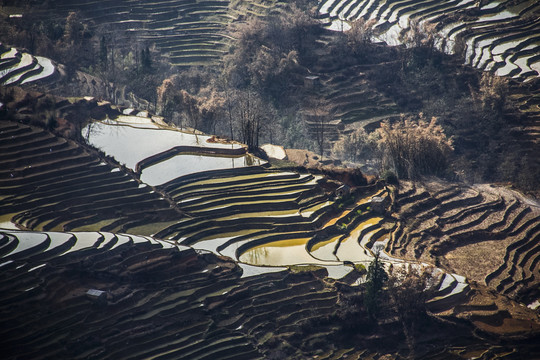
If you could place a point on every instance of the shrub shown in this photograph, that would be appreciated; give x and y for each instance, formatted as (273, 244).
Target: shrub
(51, 123)
(414, 148)
(359, 35)
(492, 92)
(360, 268)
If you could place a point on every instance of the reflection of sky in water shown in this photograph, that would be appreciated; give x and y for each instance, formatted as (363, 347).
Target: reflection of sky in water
(536, 66)
(491, 5)
(339, 25)
(281, 253)
(27, 241)
(522, 63)
(48, 70)
(294, 252)
(8, 225)
(506, 14)
(351, 250)
(129, 145)
(325, 249)
(326, 6)
(26, 60)
(181, 165)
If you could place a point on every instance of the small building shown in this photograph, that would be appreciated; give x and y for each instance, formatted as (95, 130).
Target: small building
(98, 296)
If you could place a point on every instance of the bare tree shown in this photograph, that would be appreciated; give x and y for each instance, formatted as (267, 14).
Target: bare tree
(252, 116)
(360, 34)
(318, 115)
(166, 101)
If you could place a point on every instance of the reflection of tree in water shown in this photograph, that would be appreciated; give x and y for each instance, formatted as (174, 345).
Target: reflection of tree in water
(93, 129)
(376, 249)
(89, 129)
(256, 255)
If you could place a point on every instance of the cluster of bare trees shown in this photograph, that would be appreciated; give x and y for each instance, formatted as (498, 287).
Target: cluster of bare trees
(239, 114)
(65, 40)
(317, 115)
(250, 114)
(186, 110)
(360, 34)
(410, 148)
(237, 99)
(419, 34)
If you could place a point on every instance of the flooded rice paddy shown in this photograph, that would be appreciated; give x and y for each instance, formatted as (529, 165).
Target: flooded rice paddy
(186, 164)
(132, 139)
(280, 253)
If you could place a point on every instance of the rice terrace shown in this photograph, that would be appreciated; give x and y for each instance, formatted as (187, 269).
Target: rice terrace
(269, 179)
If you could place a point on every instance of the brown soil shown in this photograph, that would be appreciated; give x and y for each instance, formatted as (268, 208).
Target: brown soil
(477, 260)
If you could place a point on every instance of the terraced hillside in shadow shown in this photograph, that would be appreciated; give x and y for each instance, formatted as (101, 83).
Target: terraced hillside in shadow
(489, 233)
(348, 93)
(143, 241)
(496, 36)
(104, 295)
(500, 36)
(166, 300)
(52, 183)
(188, 32)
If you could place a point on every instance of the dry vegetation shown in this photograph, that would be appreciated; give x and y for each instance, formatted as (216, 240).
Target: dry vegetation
(415, 148)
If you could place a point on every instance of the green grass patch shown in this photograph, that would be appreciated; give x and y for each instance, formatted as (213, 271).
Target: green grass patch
(360, 268)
